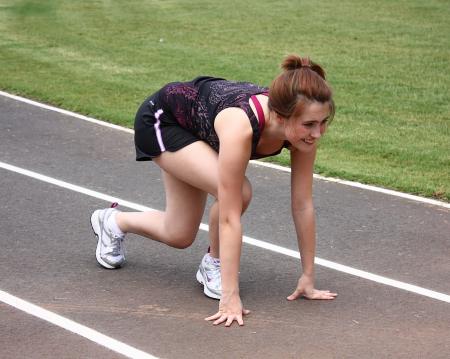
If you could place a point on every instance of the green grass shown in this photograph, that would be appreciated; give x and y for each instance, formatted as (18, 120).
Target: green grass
(388, 62)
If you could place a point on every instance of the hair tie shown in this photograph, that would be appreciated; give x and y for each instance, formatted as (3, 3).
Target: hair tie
(306, 62)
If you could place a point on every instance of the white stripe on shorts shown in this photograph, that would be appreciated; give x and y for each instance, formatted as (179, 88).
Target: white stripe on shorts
(158, 130)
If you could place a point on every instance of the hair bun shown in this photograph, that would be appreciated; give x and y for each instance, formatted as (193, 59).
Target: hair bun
(294, 62)
(291, 62)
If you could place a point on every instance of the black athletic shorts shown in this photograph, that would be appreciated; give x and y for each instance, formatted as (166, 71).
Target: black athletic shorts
(156, 131)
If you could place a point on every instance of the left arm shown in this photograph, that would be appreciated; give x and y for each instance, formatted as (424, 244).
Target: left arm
(302, 165)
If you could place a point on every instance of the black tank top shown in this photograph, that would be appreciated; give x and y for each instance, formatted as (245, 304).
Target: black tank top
(195, 105)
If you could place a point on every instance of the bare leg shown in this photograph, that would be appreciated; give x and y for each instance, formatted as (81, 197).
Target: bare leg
(189, 175)
(214, 230)
(177, 226)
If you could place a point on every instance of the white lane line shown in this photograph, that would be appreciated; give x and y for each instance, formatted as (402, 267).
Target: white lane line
(74, 327)
(65, 112)
(361, 185)
(254, 242)
(260, 163)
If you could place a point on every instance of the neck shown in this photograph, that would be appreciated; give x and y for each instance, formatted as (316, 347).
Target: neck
(273, 129)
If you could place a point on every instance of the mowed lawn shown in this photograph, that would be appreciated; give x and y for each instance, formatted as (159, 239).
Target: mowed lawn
(387, 61)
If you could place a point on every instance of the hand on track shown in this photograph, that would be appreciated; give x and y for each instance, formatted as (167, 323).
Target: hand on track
(305, 288)
(230, 310)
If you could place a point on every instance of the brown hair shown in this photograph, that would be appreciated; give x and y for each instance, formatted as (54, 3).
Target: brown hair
(301, 82)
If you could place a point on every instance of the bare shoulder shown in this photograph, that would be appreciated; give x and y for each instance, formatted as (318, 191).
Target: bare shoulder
(235, 135)
(233, 120)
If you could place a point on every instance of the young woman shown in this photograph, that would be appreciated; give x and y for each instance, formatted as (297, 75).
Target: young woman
(202, 135)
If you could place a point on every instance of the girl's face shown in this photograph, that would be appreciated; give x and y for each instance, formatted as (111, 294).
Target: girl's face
(304, 131)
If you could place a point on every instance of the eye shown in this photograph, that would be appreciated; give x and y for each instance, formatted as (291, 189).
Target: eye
(308, 124)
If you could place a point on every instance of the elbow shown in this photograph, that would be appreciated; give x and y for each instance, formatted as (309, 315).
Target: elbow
(231, 220)
(301, 206)
(229, 225)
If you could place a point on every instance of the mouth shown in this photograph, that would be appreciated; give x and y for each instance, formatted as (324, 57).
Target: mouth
(308, 142)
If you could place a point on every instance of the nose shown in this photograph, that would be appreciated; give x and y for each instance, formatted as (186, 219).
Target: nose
(316, 132)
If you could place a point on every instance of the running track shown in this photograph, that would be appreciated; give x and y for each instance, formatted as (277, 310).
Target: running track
(388, 257)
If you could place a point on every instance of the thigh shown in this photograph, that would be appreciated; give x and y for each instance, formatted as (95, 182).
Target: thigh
(185, 205)
(196, 165)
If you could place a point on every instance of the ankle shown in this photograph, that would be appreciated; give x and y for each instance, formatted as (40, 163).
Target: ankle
(213, 253)
(213, 259)
(114, 226)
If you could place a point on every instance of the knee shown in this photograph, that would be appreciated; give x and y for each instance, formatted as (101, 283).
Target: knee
(181, 244)
(246, 194)
(180, 239)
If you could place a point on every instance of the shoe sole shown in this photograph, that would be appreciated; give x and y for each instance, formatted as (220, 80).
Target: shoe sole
(206, 290)
(96, 228)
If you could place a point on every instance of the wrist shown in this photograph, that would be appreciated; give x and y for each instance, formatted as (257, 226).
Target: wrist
(230, 292)
(308, 269)
(309, 274)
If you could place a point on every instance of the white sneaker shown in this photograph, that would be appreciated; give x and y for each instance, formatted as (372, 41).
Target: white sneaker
(208, 274)
(110, 250)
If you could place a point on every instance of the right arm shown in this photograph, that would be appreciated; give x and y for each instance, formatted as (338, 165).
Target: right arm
(235, 136)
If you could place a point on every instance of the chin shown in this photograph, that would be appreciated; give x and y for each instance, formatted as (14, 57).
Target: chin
(304, 147)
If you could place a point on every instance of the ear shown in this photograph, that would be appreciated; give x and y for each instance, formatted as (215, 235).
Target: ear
(279, 119)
